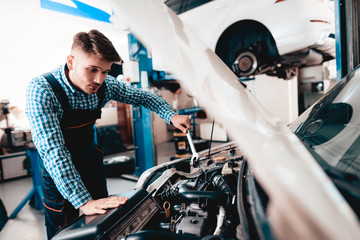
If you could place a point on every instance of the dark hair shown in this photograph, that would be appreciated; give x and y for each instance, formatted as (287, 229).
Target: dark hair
(95, 42)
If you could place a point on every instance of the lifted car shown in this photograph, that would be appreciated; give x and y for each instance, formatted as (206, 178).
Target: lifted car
(274, 37)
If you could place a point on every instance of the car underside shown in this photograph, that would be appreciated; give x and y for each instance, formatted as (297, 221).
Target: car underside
(248, 48)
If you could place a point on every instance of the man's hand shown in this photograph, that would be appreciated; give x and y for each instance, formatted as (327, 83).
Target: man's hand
(99, 206)
(181, 122)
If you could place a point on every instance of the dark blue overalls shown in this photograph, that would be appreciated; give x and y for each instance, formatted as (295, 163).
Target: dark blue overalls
(77, 126)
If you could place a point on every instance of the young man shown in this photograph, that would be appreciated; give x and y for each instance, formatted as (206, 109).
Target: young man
(62, 107)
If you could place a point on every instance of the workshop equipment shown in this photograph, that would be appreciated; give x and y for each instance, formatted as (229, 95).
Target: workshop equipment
(13, 166)
(181, 144)
(13, 140)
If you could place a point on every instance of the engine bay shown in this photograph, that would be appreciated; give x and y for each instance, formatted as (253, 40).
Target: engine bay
(199, 201)
(174, 201)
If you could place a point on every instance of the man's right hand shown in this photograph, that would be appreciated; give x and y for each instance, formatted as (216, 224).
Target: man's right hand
(99, 206)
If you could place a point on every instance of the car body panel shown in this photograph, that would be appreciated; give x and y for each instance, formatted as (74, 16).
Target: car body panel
(293, 33)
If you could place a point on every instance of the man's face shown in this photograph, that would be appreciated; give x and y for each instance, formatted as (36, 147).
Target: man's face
(87, 72)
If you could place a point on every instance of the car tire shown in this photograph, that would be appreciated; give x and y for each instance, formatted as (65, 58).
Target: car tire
(245, 63)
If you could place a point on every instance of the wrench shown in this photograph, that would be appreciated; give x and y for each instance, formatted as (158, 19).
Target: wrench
(195, 155)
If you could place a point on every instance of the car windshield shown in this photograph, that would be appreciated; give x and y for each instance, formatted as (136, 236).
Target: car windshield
(330, 130)
(180, 6)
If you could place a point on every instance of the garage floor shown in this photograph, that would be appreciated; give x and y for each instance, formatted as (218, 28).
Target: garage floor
(29, 224)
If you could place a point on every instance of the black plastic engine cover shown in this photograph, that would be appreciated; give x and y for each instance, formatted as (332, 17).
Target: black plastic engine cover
(117, 222)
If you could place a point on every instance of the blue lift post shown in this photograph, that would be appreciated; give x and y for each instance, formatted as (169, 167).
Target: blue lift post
(36, 191)
(142, 129)
(340, 37)
(347, 26)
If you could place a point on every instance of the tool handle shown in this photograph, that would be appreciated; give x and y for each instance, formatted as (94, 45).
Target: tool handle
(192, 147)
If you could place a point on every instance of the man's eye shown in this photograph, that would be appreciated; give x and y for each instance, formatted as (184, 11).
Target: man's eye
(93, 70)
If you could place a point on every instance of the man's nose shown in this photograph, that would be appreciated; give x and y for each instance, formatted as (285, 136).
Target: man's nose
(98, 79)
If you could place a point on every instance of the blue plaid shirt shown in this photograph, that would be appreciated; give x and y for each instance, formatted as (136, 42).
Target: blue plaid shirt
(44, 113)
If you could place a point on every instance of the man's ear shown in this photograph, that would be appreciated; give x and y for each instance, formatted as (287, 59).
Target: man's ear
(70, 62)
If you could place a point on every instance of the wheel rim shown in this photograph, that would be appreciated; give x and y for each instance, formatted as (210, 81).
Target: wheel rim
(245, 64)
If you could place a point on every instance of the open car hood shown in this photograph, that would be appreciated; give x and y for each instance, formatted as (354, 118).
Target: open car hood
(303, 200)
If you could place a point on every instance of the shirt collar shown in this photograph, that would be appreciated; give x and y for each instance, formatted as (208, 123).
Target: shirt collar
(65, 80)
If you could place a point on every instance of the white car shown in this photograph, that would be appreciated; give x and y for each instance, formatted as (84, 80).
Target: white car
(263, 36)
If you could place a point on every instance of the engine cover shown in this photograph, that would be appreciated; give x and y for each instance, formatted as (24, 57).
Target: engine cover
(192, 225)
(117, 222)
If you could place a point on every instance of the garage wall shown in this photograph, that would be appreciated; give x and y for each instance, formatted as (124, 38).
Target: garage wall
(278, 96)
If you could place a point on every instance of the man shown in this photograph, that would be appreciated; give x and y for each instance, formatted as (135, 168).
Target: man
(62, 107)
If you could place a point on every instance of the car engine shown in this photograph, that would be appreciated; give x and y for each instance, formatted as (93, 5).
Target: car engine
(200, 201)
(173, 201)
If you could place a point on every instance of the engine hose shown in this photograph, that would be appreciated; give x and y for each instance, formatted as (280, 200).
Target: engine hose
(221, 185)
(186, 193)
(169, 194)
(197, 180)
(220, 221)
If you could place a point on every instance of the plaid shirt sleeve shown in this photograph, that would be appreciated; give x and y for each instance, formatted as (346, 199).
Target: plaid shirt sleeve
(42, 111)
(122, 92)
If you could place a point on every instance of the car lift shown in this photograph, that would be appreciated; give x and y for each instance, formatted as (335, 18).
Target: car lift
(141, 117)
(347, 30)
(36, 192)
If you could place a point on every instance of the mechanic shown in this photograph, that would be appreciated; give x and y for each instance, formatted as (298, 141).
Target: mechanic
(62, 107)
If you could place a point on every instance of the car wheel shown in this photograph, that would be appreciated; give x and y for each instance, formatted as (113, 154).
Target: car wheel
(245, 64)
(250, 45)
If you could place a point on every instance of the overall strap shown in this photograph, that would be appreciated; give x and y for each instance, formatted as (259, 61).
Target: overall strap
(58, 91)
(61, 95)
(101, 95)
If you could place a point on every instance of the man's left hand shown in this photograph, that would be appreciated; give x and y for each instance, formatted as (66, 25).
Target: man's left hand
(181, 122)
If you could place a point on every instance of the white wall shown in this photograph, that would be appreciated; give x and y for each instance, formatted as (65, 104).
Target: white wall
(34, 41)
(278, 96)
